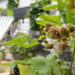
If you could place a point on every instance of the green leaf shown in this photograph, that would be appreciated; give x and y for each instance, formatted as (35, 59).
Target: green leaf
(23, 41)
(25, 70)
(16, 62)
(40, 65)
(44, 18)
(73, 42)
(41, 21)
(51, 58)
(33, 43)
(62, 4)
(18, 40)
(70, 16)
(50, 7)
(11, 63)
(62, 67)
(53, 0)
(41, 37)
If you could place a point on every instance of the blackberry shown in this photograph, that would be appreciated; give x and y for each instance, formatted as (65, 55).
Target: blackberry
(63, 46)
(48, 24)
(49, 46)
(55, 32)
(64, 31)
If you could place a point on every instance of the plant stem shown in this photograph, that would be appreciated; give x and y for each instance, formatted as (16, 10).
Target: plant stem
(53, 71)
(72, 3)
(72, 62)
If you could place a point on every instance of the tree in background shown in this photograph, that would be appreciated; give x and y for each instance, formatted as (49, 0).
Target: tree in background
(12, 4)
(35, 11)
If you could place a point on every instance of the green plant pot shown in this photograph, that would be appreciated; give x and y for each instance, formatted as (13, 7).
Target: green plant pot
(26, 70)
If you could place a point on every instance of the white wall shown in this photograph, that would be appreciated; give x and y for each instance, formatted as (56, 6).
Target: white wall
(24, 3)
(3, 4)
(25, 27)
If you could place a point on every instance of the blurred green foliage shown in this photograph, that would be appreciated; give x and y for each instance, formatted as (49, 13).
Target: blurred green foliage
(66, 9)
(11, 5)
(35, 11)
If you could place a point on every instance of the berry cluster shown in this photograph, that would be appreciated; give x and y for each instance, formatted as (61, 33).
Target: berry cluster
(62, 34)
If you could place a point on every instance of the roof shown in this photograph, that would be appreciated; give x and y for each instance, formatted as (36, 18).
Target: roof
(5, 22)
(19, 13)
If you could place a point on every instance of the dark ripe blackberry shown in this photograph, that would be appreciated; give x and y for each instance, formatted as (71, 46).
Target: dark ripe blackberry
(64, 31)
(49, 46)
(71, 27)
(63, 46)
(48, 24)
(45, 41)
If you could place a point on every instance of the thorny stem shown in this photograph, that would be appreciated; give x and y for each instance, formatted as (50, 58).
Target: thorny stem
(72, 62)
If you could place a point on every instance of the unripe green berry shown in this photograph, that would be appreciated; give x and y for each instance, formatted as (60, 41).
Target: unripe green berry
(41, 28)
(49, 46)
(45, 41)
